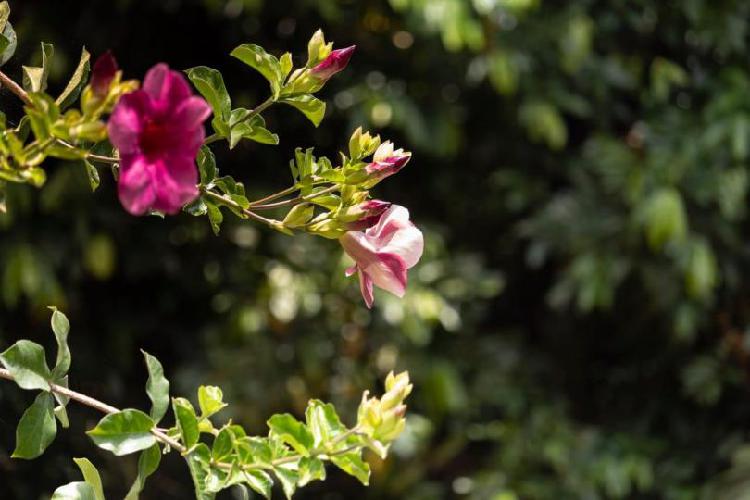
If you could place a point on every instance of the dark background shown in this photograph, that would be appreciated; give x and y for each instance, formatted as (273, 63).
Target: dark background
(577, 328)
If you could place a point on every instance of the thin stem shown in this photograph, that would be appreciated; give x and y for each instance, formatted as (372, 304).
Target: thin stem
(297, 200)
(274, 196)
(100, 406)
(103, 159)
(6, 81)
(230, 202)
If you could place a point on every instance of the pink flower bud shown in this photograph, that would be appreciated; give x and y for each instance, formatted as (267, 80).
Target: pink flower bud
(386, 162)
(105, 69)
(369, 214)
(335, 62)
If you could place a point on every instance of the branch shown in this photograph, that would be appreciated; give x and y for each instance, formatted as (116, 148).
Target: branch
(6, 81)
(229, 202)
(100, 406)
(295, 201)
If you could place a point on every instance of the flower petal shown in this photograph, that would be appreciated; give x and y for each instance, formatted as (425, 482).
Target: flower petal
(389, 273)
(393, 219)
(408, 243)
(175, 179)
(167, 88)
(358, 247)
(126, 123)
(192, 112)
(365, 287)
(135, 185)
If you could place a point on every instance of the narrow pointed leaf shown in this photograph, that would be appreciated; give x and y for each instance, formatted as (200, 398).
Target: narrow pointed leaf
(91, 476)
(157, 387)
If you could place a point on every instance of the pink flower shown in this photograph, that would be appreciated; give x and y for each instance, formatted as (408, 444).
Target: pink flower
(158, 131)
(386, 162)
(384, 252)
(335, 62)
(105, 69)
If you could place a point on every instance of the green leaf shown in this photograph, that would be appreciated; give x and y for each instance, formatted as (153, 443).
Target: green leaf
(206, 165)
(8, 43)
(257, 58)
(187, 422)
(77, 81)
(93, 175)
(62, 416)
(260, 482)
(293, 432)
(35, 78)
(299, 215)
(312, 107)
(91, 476)
(253, 128)
(37, 428)
(288, 479)
(157, 387)
(197, 208)
(199, 461)
(25, 362)
(4, 14)
(210, 400)
(323, 422)
(148, 462)
(223, 444)
(78, 490)
(254, 450)
(311, 469)
(286, 64)
(352, 464)
(124, 432)
(215, 217)
(210, 84)
(60, 327)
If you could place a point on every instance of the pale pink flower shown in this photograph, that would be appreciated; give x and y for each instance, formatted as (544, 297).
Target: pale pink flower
(386, 162)
(335, 62)
(158, 131)
(383, 253)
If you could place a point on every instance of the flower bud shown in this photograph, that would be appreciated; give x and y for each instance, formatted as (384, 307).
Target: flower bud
(386, 162)
(362, 216)
(104, 72)
(362, 144)
(335, 62)
(317, 49)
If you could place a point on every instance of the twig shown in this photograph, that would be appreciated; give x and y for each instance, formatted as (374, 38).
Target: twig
(297, 200)
(100, 406)
(6, 81)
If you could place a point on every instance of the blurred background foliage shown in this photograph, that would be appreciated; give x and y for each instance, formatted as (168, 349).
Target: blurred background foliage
(578, 327)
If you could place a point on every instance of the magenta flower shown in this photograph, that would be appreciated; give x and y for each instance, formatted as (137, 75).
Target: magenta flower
(105, 70)
(384, 253)
(335, 62)
(158, 131)
(386, 162)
